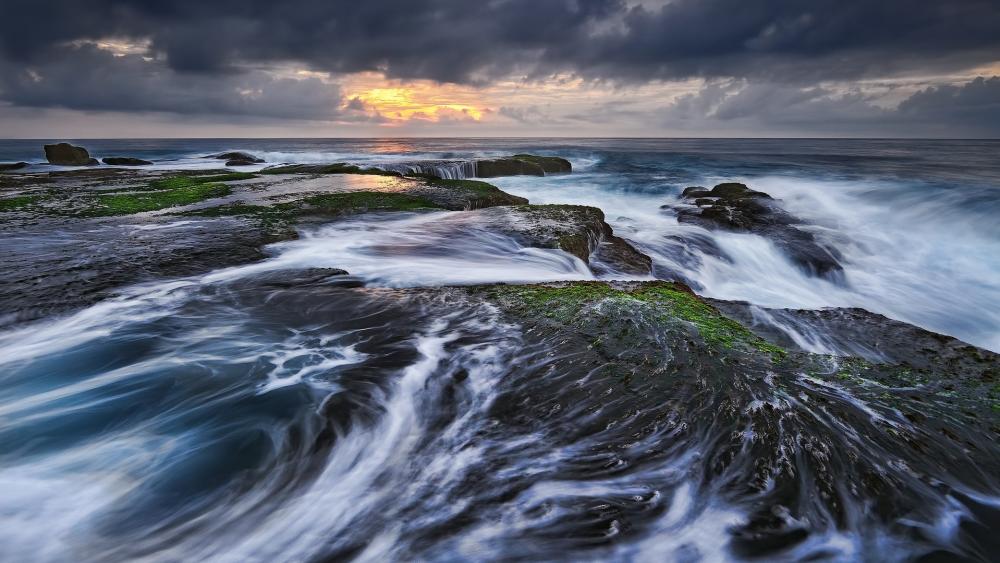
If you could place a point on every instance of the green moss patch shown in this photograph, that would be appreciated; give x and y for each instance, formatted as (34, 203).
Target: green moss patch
(167, 192)
(480, 194)
(564, 303)
(18, 202)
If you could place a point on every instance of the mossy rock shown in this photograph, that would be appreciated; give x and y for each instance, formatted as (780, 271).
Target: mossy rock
(18, 203)
(669, 304)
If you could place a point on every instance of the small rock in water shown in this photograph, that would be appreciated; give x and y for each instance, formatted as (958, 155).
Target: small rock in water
(125, 161)
(8, 166)
(65, 154)
(237, 158)
(733, 206)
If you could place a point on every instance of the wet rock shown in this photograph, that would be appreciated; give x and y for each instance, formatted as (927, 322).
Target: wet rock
(861, 333)
(576, 229)
(735, 207)
(237, 158)
(11, 166)
(507, 167)
(65, 154)
(93, 260)
(549, 164)
(522, 165)
(695, 191)
(125, 161)
(651, 363)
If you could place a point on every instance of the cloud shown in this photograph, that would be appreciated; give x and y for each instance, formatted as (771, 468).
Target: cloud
(971, 109)
(475, 42)
(765, 63)
(91, 79)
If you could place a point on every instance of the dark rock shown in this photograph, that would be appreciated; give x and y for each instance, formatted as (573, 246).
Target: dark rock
(125, 161)
(736, 207)
(549, 164)
(237, 158)
(65, 154)
(642, 358)
(576, 229)
(857, 332)
(522, 165)
(507, 167)
(695, 191)
(733, 190)
(6, 167)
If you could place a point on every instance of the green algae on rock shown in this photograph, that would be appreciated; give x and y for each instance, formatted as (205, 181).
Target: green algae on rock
(477, 194)
(668, 302)
(127, 204)
(17, 203)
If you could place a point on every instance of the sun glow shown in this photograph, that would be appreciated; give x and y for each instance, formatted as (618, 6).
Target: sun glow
(418, 100)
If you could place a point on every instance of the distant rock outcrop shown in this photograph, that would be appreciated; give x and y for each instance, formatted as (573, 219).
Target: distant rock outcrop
(65, 154)
(125, 161)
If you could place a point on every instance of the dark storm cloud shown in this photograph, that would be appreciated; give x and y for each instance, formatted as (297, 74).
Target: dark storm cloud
(86, 78)
(975, 106)
(463, 41)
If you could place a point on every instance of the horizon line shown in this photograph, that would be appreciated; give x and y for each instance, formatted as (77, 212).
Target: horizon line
(805, 138)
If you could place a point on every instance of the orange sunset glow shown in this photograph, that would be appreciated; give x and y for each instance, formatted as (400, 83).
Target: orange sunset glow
(415, 100)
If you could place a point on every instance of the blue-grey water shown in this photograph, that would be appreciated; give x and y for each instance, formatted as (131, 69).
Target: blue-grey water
(213, 418)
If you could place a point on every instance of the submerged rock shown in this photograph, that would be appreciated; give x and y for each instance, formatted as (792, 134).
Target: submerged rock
(11, 166)
(125, 161)
(65, 154)
(735, 207)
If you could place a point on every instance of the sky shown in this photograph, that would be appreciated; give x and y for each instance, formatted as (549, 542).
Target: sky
(597, 68)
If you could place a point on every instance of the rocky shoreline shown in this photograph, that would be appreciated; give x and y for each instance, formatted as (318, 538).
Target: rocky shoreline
(659, 363)
(236, 214)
